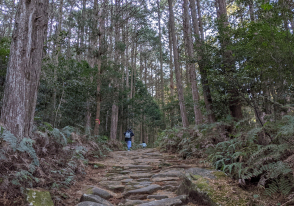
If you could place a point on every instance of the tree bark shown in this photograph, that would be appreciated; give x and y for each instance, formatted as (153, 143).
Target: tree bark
(171, 75)
(101, 52)
(23, 72)
(199, 42)
(228, 61)
(177, 68)
(190, 65)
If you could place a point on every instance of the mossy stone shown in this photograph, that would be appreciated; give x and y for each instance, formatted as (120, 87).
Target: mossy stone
(39, 197)
(211, 191)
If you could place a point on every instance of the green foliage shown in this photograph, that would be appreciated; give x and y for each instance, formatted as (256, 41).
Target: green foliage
(243, 158)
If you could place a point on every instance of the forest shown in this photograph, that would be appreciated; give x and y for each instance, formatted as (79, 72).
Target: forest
(209, 79)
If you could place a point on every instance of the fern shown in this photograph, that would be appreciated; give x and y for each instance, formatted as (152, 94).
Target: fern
(26, 145)
(59, 136)
(282, 185)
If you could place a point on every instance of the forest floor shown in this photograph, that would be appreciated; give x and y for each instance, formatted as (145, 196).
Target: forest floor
(147, 177)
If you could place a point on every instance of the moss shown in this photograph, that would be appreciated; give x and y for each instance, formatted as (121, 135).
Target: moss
(216, 191)
(219, 174)
(37, 197)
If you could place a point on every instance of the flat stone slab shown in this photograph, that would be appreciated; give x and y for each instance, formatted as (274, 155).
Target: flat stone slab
(100, 192)
(126, 180)
(145, 190)
(140, 175)
(163, 179)
(88, 203)
(143, 179)
(172, 173)
(134, 202)
(138, 166)
(95, 198)
(157, 197)
(115, 186)
(120, 177)
(164, 202)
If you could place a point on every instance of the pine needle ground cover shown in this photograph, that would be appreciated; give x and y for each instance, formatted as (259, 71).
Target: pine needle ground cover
(259, 159)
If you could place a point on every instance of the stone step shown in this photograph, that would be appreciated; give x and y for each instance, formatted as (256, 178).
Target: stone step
(100, 192)
(145, 190)
(140, 175)
(88, 203)
(95, 198)
(167, 202)
(157, 197)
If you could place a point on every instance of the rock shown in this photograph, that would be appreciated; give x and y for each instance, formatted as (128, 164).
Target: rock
(140, 175)
(138, 197)
(95, 198)
(157, 197)
(167, 202)
(170, 188)
(38, 197)
(100, 192)
(202, 172)
(120, 177)
(134, 202)
(162, 179)
(88, 203)
(145, 190)
(126, 180)
(143, 179)
(114, 186)
(211, 191)
(139, 167)
(172, 173)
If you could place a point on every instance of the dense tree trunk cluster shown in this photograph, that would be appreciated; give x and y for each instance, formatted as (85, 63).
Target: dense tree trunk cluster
(112, 65)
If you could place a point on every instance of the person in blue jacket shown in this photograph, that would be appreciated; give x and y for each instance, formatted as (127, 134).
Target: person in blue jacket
(128, 138)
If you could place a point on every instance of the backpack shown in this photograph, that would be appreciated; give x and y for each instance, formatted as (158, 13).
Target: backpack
(128, 134)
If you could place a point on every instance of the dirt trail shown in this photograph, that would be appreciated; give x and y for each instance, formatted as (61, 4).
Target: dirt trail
(142, 177)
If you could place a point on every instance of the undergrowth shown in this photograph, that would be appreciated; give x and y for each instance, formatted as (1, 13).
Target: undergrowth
(261, 156)
(51, 158)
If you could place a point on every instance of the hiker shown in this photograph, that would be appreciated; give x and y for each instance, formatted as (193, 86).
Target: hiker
(143, 144)
(128, 138)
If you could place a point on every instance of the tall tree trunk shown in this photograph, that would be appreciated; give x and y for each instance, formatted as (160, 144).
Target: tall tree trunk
(199, 42)
(114, 114)
(58, 47)
(190, 65)
(228, 62)
(177, 67)
(101, 52)
(23, 72)
(171, 74)
(160, 56)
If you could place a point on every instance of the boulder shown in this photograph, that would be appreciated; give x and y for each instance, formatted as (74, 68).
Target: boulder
(95, 198)
(38, 197)
(208, 187)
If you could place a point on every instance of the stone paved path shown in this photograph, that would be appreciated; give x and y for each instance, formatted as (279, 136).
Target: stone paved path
(142, 177)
